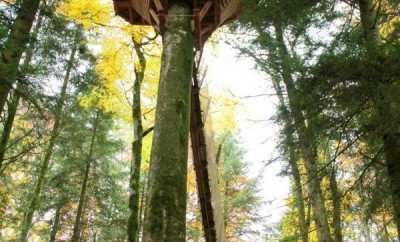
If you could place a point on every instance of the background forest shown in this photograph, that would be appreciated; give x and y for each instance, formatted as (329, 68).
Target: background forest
(78, 93)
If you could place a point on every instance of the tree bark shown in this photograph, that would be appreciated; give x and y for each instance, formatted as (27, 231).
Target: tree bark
(166, 212)
(77, 225)
(306, 143)
(134, 216)
(337, 210)
(288, 131)
(390, 125)
(34, 203)
(5, 136)
(392, 154)
(56, 223)
(14, 102)
(14, 46)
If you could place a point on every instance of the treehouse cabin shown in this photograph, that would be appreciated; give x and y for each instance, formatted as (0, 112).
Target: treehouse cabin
(208, 15)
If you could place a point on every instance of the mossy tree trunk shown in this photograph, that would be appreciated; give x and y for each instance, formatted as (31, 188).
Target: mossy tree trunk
(389, 120)
(134, 215)
(307, 143)
(165, 218)
(14, 46)
(79, 213)
(14, 101)
(44, 166)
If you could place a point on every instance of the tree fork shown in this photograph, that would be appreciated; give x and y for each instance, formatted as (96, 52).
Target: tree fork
(165, 218)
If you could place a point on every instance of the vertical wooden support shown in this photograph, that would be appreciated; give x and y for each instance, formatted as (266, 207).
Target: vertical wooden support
(200, 162)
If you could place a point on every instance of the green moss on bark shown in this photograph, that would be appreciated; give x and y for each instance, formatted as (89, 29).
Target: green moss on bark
(166, 209)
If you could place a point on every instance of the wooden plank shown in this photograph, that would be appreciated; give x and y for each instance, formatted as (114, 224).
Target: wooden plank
(200, 164)
(205, 9)
(142, 8)
(155, 17)
(159, 5)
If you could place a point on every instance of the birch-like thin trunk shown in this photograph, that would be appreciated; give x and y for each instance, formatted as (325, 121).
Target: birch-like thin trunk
(77, 225)
(134, 215)
(165, 218)
(14, 46)
(44, 166)
(307, 144)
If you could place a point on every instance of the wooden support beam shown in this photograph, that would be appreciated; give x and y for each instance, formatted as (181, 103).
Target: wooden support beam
(130, 15)
(159, 5)
(200, 162)
(155, 17)
(205, 9)
(197, 26)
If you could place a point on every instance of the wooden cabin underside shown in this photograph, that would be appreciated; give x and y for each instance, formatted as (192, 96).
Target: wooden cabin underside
(208, 15)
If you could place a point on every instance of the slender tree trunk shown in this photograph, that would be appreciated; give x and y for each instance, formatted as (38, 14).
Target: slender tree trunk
(289, 130)
(337, 211)
(299, 196)
(5, 136)
(13, 105)
(306, 144)
(392, 153)
(56, 223)
(14, 46)
(166, 212)
(44, 166)
(133, 220)
(77, 225)
(385, 108)
(141, 208)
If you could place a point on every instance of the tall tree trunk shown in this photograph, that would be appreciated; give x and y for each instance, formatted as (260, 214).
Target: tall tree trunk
(306, 144)
(44, 166)
(133, 220)
(337, 211)
(5, 136)
(299, 195)
(14, 102)
(392, 154)
(390, 123)
(77, 225)
(14, 46)
(288, 131)
(141, 208)
(56, 223)
(166, 212)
